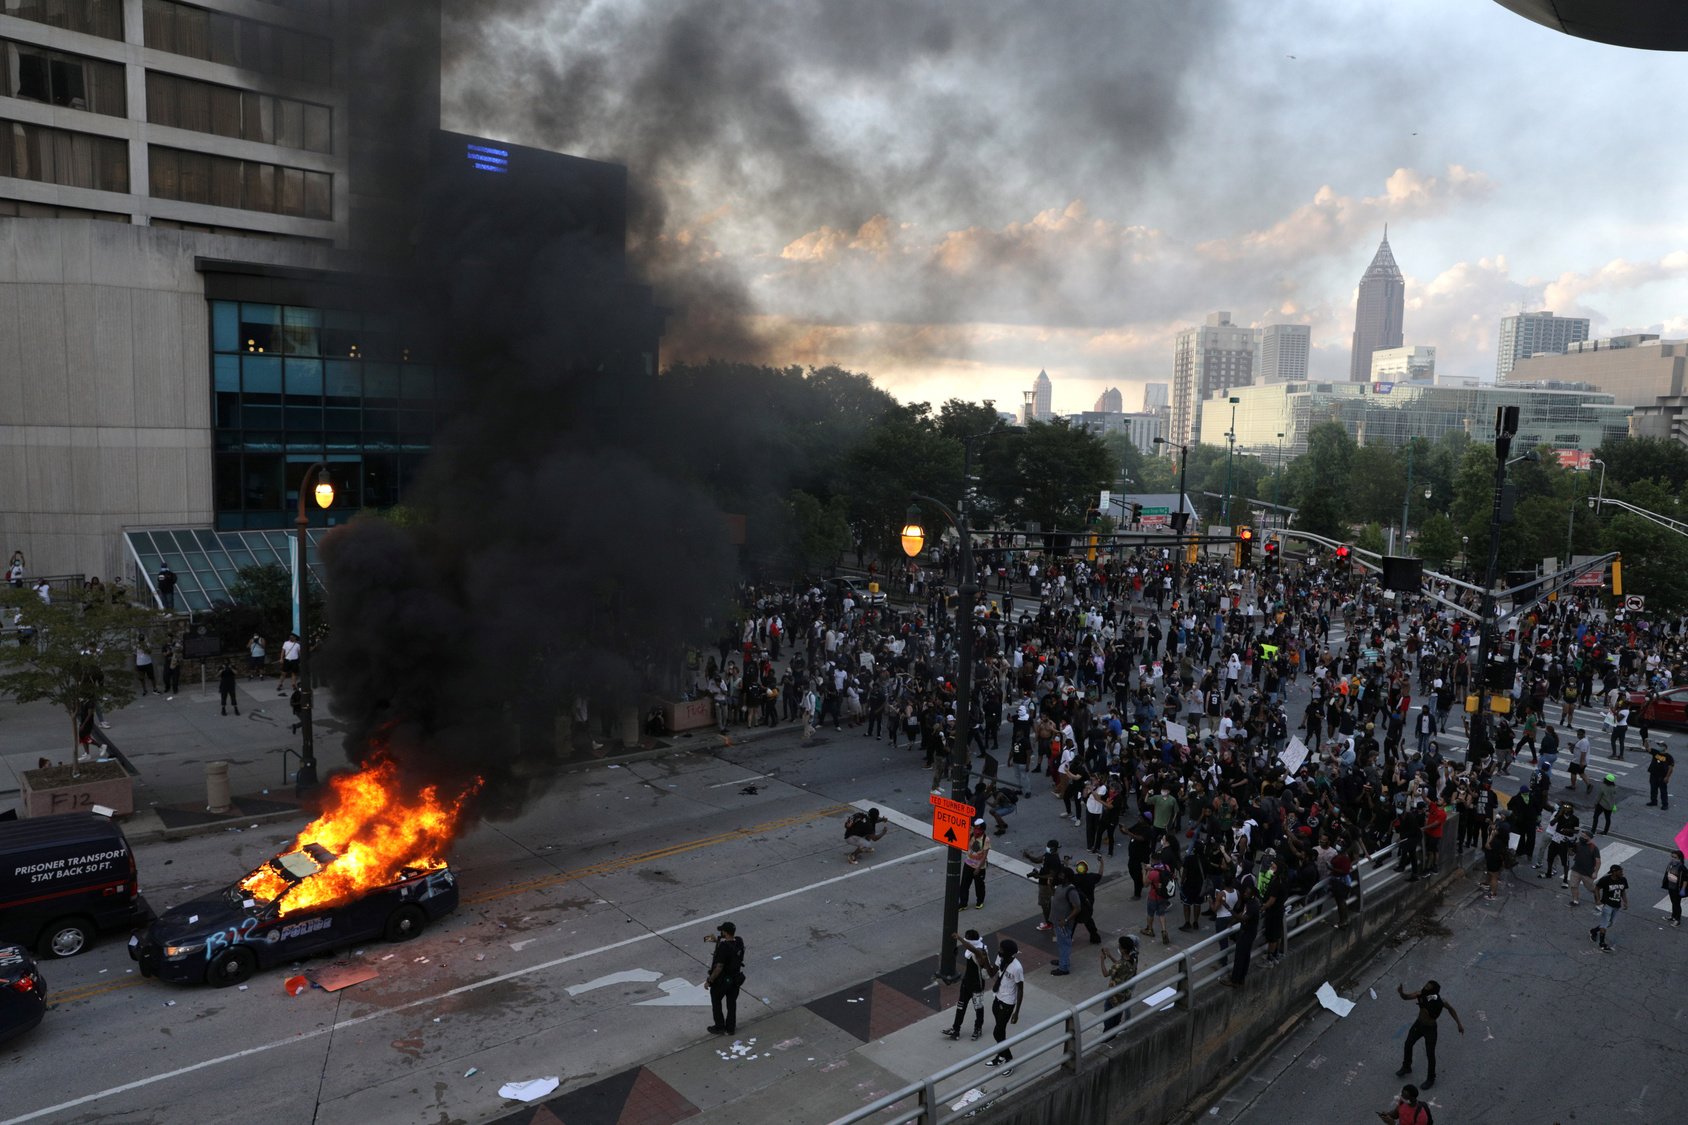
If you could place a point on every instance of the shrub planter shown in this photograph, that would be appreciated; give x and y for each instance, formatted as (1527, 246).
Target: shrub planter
(54, 790)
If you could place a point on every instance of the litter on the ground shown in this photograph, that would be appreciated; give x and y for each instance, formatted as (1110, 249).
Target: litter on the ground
(1328, 997)
(529, 1091)
(471, 1072)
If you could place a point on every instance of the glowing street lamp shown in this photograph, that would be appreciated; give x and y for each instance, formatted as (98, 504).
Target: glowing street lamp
(323, 493)
(914, 533)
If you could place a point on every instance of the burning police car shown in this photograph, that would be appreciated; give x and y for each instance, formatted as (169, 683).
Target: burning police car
(289, 908)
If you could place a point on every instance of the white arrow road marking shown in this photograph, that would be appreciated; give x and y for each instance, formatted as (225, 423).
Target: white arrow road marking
(626, 976)
(678, 994)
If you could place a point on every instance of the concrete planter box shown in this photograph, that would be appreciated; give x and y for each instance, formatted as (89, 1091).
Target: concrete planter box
(54, 790)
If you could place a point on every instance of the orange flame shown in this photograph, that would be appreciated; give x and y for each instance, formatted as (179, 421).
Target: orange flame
(376, 833)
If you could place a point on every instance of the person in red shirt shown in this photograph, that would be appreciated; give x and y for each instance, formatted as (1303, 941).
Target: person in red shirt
(1435, 818)
(1407, 1110)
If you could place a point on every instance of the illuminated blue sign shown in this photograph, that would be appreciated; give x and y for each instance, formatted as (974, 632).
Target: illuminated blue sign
(484, 158)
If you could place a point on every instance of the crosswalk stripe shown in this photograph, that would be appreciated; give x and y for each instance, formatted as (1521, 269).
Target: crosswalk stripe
(1663, 904)
(1011, 864)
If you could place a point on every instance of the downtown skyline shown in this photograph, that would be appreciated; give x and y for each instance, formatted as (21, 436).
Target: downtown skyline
(952, 201)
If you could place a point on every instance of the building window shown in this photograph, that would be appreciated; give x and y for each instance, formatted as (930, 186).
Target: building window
(232, 41)
(91, 17)
(223, 181)
(184, 103)
(39, 75)
(17, 208)
(63, 157)
(292, 384)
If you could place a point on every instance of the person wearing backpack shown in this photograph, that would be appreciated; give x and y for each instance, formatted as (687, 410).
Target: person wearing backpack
(726, 977)
(867, 829)
(1676, 878)
(1407, 1110)
(1163, 886)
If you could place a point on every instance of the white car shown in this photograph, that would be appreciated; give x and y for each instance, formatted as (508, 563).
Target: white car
(857, 589)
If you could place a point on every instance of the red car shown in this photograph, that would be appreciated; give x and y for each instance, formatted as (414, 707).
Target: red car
(1667, 708)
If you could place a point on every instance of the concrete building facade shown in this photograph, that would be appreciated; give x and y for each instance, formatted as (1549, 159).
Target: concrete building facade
(1109, 401)
(1378, 311)
(1414, 364)
(1282, 352)
(1392, 414)
(1536, 333)
(1207, 360)
(212, 222)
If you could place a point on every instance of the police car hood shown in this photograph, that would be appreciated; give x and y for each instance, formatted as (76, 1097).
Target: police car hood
(193, 919)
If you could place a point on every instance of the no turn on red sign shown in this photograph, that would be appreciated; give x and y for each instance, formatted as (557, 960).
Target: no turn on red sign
(951, 821)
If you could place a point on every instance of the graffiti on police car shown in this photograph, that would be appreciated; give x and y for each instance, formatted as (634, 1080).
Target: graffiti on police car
(216, 942)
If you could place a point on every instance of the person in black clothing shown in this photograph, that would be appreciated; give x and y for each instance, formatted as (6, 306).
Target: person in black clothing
(1086, 881)
(1247, 926)
(726, 977)
(226, 681)
(167, 586)
(975, 959)
(1430, 1006)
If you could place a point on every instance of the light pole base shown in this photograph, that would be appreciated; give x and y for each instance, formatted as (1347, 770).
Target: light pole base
(306, 779)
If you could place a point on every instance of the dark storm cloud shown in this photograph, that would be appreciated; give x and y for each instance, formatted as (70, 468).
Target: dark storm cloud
(774, 119)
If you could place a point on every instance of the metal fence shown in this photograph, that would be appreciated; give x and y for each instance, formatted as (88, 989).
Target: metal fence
(1065, 1040)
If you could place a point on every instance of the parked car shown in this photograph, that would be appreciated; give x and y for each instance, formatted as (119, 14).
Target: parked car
(856, 588)
(65, 878)
(23, 992)
(223, 938)
(1668, 708)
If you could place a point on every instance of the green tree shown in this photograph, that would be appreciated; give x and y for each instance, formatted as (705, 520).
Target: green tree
(1319, 481)
(1635, 459)
(79, 655)
(1377, 484)
(1371, 538)
(1655, 560)
(822, 530)
(1438, 541)
(901, 454)
(1049, 476)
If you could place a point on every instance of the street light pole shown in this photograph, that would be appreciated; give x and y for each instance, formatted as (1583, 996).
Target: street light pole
(1600, 499)
(1407, 499)
(960, 750)
(323, 492)
(1278, 480)
(1506, 427)
(1181, 518)
(1230, 457)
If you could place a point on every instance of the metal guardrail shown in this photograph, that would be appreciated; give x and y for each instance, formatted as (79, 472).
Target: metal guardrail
(1082, 1031)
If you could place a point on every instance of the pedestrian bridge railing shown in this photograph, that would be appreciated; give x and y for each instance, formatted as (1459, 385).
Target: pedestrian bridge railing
(1065, 1041)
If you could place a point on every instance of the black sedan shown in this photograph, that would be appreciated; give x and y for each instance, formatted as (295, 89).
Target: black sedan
(224, 938)
(23, 992)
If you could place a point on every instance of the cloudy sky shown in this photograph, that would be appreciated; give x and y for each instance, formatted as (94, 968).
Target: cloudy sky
(950, 196)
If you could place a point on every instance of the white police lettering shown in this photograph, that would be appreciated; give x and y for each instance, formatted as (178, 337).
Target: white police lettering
(298, 929)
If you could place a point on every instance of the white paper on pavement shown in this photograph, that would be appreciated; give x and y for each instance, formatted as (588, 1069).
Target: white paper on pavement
(530, 1091)
(1293, 755)
(1328, 997)
(1177, 733)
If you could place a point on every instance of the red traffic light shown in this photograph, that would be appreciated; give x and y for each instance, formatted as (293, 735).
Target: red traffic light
(1271, 546)
(1245, 533)
(1342, 552)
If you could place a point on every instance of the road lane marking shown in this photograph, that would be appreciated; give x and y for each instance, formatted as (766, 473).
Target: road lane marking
(740, 781)
(621, 863)
(87, 992)
(460, 990)
(921, 828)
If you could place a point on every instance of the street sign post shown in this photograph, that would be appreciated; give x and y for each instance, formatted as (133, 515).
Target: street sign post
(951, 821)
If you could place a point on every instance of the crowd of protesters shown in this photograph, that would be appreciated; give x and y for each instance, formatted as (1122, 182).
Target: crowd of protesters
(1153, 701)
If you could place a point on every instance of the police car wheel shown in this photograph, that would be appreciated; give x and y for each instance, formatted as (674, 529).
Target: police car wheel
(66, 937)
(232, 966)
(405, 923)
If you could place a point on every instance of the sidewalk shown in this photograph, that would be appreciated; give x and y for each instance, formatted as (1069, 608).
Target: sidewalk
(166, 743)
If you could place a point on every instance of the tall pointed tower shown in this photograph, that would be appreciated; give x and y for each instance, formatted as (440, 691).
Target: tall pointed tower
(1377, 313)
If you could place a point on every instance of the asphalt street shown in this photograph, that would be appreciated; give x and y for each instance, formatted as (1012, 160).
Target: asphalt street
(578, 950)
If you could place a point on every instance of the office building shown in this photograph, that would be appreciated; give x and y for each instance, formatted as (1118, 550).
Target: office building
(1282, 352)
(1378, 311)
(1109, 401)
(1536, 333)
(1156, 397)
(1140, 429)
(1416, 364)
(1207, 360)
(1641, 370)
(212, 217)
(1391, 414)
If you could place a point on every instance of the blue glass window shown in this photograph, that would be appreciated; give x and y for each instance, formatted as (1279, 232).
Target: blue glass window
(261, 374)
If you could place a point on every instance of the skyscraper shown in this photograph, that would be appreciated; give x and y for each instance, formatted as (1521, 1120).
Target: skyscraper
(1155, 397)
(1040, 407)
(1377, 312)
(1536, 333)
(1109, 401)
(1281, 356)
(1207, 360)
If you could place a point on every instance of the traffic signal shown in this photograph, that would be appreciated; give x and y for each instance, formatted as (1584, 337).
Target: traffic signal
(1136, 513)
(1271, 549)
(1245, 546)
(1342, 553)
(1092, 517)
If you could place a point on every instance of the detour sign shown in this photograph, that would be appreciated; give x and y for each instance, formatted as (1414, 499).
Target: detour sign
(950, 821)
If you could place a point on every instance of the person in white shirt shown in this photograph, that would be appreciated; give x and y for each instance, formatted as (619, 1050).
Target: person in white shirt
(290, 649)
(1010, 990)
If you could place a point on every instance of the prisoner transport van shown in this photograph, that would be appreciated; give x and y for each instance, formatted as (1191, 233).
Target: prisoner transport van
(65, 878)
